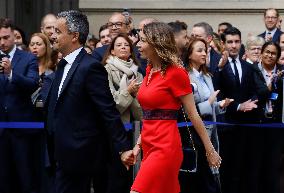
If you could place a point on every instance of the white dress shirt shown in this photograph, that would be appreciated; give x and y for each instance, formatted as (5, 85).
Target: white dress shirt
(70, 58)
(271, 32)
(239, 67)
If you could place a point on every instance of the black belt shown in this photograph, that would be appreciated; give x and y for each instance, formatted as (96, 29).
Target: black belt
(160, 114)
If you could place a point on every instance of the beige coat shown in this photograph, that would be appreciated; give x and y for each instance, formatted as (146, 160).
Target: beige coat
(125, 103)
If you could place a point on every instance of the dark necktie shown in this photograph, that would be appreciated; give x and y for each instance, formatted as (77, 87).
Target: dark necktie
(54, 92)
(237, 77)
(4, 56)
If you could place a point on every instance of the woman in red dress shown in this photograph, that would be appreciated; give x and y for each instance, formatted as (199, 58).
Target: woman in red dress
(165, 88)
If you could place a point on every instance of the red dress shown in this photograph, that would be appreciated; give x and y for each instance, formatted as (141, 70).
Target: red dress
(161, 143)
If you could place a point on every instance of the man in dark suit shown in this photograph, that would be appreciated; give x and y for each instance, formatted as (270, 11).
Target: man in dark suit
(205, 31)
(271, 18)
(235, 81)
(180, 33)
(18, 80)
(82, 117)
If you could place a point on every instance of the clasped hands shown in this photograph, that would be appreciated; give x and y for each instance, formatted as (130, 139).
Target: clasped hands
(129, 157)
(5, 66)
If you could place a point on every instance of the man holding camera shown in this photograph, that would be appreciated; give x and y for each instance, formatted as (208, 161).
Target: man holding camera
(18, 80)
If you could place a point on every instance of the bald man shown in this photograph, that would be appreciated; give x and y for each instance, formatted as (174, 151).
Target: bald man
(47, 26)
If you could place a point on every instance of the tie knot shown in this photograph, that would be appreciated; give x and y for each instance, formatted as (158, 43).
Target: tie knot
(4, 56)
(62, 63)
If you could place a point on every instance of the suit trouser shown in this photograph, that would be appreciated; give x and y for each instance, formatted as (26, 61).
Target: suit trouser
(119, 179)
(232, 150)
(15, 162)
(71, 183)
(80, 183)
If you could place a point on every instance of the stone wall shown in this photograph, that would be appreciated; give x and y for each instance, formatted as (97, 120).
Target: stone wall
(247, 15)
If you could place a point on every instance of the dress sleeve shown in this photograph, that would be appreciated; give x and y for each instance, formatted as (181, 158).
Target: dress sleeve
(179, 82)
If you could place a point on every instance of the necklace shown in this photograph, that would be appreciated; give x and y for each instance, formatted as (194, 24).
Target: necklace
(151, 73)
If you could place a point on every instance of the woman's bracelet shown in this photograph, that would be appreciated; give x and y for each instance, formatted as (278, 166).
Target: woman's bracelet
(211, 152)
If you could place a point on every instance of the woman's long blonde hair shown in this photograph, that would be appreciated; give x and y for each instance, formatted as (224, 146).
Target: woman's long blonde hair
(161, 37)
(47, 64)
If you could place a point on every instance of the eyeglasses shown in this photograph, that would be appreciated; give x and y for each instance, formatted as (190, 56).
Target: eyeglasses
(268, 53)
(116, 24)
(272, 18)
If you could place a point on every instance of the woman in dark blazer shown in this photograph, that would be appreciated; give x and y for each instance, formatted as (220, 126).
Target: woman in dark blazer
(269, 82)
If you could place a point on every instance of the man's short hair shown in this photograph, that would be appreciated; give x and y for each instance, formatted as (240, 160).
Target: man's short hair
(277, 12)
(230, 31)
(102, 28)
(226, 24)
(6, 23)
(178, 26)
(207, 28)
(76, 21)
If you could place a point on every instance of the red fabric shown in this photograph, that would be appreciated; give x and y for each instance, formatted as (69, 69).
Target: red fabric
(161, 144)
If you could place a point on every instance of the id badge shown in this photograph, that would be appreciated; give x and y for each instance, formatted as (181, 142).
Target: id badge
(273, 96)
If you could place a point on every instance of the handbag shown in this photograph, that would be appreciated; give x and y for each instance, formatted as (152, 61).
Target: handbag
(189, 163)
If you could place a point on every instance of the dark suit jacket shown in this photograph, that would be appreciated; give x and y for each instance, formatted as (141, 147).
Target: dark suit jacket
(99, 53)
(15, 95)
(263, 92)
(214, 61)
(276, 36)
(229, 89)
(85, 120)
(213, 66)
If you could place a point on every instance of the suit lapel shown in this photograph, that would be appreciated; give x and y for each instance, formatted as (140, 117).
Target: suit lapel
(15, 59)
(276, 36)
(209, 83)
(230, 71)
(72, 70)
(195, 80)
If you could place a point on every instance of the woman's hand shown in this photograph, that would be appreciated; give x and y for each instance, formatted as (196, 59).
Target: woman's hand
(213, 158)
(226, 102)
(213, 97)
(133, 87)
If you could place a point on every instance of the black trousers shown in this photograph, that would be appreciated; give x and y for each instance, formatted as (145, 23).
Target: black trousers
(71, 183)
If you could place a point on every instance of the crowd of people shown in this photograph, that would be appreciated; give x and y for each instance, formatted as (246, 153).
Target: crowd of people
(85, 89)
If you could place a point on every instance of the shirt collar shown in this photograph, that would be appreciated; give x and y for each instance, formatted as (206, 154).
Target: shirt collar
(11, 53)
(70, 58)
(264, 71)
(196, 73)
(272, 32)
(237, 59)
(249, 61)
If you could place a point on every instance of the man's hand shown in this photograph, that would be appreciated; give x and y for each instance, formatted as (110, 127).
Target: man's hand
(248, 105)
(6, 64)
(223, 60)
(127, 158)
